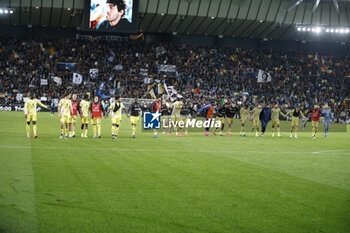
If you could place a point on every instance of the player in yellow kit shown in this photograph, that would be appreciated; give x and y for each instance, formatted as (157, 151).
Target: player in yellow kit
(84, 115)
(64, 110)
(255, 117)
(116, 110)
(275, 120)
(30, 113)
(244, 114)
(296, 112)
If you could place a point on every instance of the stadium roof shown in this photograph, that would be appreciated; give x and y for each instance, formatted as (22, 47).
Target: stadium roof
(320, 20)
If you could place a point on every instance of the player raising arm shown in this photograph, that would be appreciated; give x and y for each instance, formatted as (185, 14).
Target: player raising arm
(30, 113)
(135, 111)
(296, 112)
(116, 115)
(64, 110)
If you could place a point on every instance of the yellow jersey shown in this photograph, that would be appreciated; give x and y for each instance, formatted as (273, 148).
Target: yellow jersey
(85, 105)
(275, 113)
(30, 106)
(65, 106)
(244, 113)
(256, 112)
(177, 108)
(116, 109)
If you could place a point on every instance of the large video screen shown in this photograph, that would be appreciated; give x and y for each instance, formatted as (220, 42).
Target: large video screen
(113, 15)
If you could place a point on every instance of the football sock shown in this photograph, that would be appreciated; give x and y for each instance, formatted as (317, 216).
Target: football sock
(99, 129)
(133, 129)
(34, 129)
(94, 129)
(278, 129)
(62, 130)
(66, 132)
(116, 130)
(325, 131)
(113, 130)
(27, 128)
(86, 131)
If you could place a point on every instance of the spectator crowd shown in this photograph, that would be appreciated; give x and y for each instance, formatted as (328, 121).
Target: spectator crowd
(127, 67)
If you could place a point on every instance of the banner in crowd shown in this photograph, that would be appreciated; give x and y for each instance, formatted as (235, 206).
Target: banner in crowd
(167, 69)
(19, 97)
(147, 80)
(94, 73)
(97, 38)
(43, 82)
(77, 79)
(160, 50)
(264, 77)
(158, 88)
(119, 67)
(144, 72)
(63, 66)
(172, 93)
(57, 80)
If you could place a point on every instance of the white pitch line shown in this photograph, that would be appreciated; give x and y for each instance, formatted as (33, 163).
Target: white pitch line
(172, 150)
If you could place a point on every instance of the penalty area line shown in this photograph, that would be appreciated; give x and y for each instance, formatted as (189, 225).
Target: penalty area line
(173, 150)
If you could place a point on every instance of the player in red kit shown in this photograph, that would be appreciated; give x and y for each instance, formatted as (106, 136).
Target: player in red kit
(96, 110)
(157, 107)
(315, 119)
(73, 115)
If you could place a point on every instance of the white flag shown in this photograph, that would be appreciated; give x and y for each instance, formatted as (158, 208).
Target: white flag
(57, 80)
(264, 77)
(94, 73)
(77, 79)
(43, 82)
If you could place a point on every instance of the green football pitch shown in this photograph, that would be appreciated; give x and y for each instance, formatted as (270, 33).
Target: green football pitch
(186, 184)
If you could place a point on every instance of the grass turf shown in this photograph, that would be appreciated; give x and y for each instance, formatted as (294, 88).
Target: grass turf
(187, 184)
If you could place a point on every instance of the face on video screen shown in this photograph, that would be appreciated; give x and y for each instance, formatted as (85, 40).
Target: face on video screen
(111, 15)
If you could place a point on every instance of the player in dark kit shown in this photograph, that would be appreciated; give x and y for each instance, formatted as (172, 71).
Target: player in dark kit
(135, 111)
(115, 12)
(231, 111)
(220, 116)
(185, 113)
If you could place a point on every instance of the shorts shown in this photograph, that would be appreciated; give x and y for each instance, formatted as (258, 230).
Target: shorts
(72, 119)
(230, 120)
(134, 120)
(256, 123)
(84, 120)
(295, 121)
(222, 119)
(95, 121)
(64, 119)
(116, 120)
(314, 123)
(275, 122)
(31, 118)
(326, 123)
